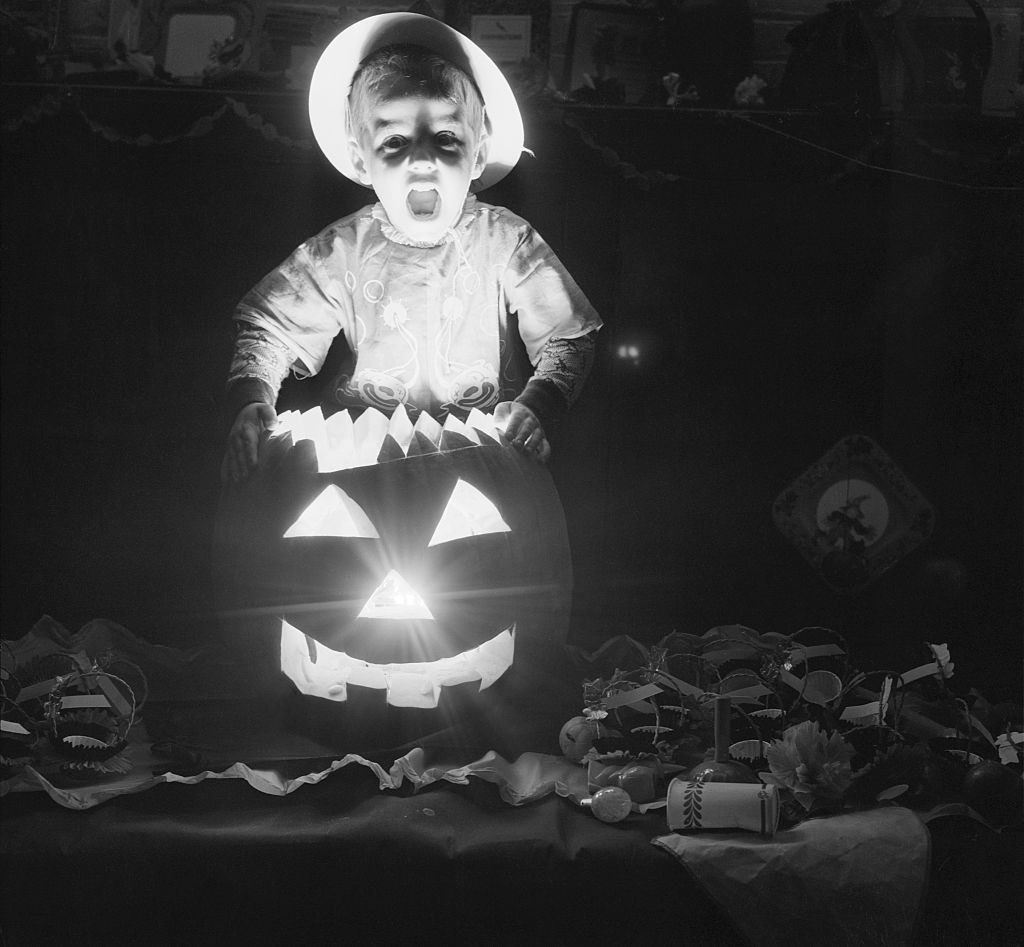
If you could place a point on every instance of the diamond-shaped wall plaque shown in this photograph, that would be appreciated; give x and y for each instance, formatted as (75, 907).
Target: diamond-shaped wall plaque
(853, 514)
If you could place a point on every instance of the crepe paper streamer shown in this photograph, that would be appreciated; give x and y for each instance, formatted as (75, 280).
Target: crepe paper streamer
(12, 726)
(690, 690)
(976, 724)
(923, 670)
(748, 695)
(34, 691)
(856, 712)
(15, 731)
(631, 697)
(893, 792)
(81, 701)
(801, 653)
(875, 708)
(941, 666)
(94, 677)
(1009, 745)
(644, 707)
(754, 690)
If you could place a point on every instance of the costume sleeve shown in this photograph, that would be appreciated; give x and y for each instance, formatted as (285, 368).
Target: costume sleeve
(544, 296)
(559, 376)
(298, 305)
(556, 322)
(259, 365)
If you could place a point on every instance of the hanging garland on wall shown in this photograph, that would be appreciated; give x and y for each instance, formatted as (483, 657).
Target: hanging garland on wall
(51, 105)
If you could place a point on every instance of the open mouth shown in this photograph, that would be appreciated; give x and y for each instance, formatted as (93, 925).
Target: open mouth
(423, 203)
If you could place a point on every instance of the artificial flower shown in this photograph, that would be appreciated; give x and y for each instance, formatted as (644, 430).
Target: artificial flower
(812, 765)
(748, 92)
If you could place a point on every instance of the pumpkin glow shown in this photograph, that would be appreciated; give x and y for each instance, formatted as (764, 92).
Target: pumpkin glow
(404, 558)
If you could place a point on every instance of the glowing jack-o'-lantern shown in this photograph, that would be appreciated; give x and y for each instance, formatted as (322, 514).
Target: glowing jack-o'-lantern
(396, 557)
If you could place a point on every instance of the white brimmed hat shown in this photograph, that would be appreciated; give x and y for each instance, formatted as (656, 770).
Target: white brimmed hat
(332, 80)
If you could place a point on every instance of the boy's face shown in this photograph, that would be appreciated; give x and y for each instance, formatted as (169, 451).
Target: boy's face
(419, 155)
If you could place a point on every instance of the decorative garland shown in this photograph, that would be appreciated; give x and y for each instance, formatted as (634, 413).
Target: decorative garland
(642, 179)
(646, 179)
(823, 735)
(51, 105)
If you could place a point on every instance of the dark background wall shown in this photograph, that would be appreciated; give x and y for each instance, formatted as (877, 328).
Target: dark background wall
(780, 298)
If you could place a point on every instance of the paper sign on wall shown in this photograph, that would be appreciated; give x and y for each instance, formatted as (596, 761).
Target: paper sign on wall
(506, 39)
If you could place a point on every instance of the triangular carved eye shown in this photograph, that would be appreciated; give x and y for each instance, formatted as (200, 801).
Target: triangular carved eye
(468, 513)
(333, 513)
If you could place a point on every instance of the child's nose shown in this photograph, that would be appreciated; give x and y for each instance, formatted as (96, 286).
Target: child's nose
(422, 152)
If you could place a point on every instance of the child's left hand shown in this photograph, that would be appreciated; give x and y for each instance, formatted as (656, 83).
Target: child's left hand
(523, 429)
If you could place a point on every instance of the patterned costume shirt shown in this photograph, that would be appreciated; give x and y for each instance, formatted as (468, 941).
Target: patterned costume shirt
(428, 325)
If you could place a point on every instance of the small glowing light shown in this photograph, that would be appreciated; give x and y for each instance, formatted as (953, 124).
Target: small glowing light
(629, 353)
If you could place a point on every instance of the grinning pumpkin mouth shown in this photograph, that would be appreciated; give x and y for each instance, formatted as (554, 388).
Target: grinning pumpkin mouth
(320, 672)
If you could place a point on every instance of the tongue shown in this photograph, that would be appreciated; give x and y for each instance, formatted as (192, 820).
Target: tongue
(423, 203)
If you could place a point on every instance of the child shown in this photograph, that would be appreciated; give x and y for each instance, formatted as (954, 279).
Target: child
(429, 285)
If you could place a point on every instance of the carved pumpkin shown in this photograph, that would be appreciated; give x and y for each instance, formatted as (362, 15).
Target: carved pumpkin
(395, 557)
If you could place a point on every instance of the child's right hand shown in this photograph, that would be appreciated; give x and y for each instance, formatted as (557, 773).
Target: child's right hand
(248, 431)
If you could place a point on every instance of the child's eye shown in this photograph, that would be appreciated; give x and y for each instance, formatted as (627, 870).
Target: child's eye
(447, 139)
(393, 143)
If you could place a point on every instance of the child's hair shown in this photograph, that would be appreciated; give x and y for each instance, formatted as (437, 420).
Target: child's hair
(404, 69)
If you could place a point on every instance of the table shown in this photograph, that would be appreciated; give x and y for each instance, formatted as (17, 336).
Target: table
(218, 862)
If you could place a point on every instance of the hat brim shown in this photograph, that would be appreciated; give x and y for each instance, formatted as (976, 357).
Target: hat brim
(332, 80)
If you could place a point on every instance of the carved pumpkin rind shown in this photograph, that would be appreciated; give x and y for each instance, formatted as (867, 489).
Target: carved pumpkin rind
(514, 576)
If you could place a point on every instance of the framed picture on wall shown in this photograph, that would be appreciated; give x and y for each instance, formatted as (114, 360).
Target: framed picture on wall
(611, 44)
(209, 40)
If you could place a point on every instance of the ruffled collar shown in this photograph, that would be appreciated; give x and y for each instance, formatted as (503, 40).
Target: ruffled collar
(396, 236)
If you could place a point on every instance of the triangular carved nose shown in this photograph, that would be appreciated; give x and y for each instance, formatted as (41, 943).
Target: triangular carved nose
(395, 598)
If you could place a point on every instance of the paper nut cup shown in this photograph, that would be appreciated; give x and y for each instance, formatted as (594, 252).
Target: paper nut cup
(693, 805)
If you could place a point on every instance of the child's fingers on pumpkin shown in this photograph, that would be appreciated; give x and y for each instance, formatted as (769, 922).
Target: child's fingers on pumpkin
(535, 439)
(501, 414)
